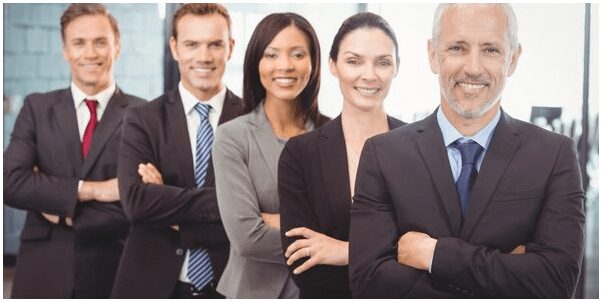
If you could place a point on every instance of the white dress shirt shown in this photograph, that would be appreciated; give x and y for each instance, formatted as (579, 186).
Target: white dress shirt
(82, 113)
(193, 120)
(81, 110)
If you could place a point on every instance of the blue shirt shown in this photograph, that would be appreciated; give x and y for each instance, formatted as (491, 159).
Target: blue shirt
(451, 134)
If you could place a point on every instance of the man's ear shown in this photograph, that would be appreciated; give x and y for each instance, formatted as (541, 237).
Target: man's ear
(172, 47)
(64, 51)
(117, 49)
(231, 42)
(514, 59)
(432, 52)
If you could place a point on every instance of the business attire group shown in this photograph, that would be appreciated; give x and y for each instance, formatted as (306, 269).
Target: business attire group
(201, 194)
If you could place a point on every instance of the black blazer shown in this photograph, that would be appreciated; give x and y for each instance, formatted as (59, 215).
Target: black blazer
(528, 192)
(56, 260)
(313, 186)
(154, 253)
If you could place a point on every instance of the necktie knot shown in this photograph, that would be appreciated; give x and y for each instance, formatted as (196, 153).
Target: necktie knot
(469, 150)
(202, 109)
(91, 104)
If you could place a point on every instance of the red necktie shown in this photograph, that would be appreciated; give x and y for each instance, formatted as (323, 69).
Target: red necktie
(87, 140)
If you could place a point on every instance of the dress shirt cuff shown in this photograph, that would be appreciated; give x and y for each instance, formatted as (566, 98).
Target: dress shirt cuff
(430, 268)
(79, 185)
(431, 265)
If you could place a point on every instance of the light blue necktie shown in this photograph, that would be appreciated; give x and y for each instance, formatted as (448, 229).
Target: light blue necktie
(470, 152)
(200, 272)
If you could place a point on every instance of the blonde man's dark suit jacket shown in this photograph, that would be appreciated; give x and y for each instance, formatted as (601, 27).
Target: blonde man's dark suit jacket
(54, 260)
(154, 253)
(528, 191)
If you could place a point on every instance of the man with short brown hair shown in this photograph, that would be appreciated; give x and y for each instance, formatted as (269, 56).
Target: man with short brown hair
(178, 247)
(61, 166)
(199, 9)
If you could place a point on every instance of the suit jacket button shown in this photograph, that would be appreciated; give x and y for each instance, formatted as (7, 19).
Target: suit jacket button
(179, 252)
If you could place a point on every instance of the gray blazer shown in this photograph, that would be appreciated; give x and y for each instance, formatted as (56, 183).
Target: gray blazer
(245, 158)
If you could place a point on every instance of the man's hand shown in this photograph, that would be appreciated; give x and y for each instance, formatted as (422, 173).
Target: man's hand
(320, 249)
(150, 174)
(272, 220)
(54, 219)
(103, 191)
(519, 250)
(416, 250)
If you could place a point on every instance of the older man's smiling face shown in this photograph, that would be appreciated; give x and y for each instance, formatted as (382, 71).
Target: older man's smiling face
(472, 58)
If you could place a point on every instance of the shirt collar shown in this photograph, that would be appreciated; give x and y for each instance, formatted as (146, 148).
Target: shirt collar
(189, 100)
(451, 134)
(103, 97)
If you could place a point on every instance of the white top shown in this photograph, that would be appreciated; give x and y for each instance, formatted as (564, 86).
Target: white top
(81, 110)
(193, 121)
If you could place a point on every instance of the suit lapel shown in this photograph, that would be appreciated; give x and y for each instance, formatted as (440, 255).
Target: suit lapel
(394, 123)
(177, 129)
(266, 141)
(335, 169)
(65, 117)
(232, 109)
(431, 146)
(110, 121)
(504, 144)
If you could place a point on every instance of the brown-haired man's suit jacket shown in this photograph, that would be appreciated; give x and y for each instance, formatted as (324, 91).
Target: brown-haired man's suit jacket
(154, 253)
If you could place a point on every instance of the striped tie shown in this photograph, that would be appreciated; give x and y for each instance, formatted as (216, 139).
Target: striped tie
(200, 272)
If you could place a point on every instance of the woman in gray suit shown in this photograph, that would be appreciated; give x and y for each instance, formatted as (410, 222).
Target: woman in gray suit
(280, 89)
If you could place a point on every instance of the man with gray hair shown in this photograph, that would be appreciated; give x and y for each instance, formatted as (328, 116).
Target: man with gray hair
(470, 202)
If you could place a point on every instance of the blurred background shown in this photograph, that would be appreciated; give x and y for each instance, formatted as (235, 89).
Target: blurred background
(555, 85)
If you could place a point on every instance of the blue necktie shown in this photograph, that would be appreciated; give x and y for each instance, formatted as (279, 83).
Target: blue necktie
(470, 152)
(200, 272)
